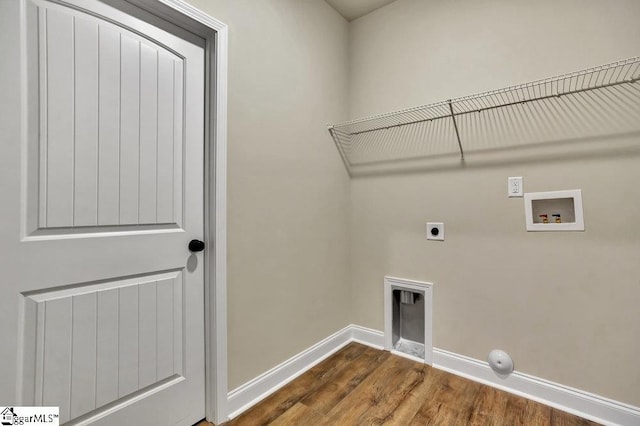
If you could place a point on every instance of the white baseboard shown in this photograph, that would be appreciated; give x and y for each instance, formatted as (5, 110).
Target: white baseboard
(267, 383)
(567, 399)
(574, 401)
(367, 336)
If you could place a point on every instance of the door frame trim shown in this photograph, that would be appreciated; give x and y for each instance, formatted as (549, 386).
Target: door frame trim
(215, 34)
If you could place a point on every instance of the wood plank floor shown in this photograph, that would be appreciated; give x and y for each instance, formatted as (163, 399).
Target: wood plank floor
(363, 386)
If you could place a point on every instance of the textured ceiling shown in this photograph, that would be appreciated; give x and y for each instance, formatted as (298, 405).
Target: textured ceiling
(353, 9)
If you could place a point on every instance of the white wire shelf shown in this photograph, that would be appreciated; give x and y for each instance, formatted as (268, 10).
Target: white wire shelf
(598, 101)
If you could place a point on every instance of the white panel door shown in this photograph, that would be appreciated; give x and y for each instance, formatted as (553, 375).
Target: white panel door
(101, 183)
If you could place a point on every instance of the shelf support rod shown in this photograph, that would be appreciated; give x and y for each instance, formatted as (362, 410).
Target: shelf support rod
(343, 155)
(455, 126)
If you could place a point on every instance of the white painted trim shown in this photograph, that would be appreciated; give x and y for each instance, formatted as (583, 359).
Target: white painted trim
(195, 14)
(252, 392)
(215, 34)
(367, 336)
(265, 384)
(424, 288)
(217, 336)
(574, 401)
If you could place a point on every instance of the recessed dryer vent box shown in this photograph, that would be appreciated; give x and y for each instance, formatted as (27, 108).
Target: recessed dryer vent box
(407, 318)
(554, 211)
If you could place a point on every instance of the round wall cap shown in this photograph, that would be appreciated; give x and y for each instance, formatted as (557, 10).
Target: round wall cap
(500, 362)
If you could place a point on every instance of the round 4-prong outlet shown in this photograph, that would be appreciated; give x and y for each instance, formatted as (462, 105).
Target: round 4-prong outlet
(435, 231)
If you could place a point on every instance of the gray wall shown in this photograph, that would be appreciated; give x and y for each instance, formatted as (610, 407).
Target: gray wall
(564, 305)
(302, 235)
(288, 194)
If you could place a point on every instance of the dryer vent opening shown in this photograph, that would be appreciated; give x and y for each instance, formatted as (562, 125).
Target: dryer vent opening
(407, 318)
(408, 323)
(408, 297)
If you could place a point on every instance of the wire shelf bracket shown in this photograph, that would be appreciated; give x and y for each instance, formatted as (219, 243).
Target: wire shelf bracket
(455, 127)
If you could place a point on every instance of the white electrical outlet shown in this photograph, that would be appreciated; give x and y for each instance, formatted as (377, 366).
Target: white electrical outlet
(514, 187)
(435, 231)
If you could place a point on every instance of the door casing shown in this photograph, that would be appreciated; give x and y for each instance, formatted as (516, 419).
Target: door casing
(215, 34)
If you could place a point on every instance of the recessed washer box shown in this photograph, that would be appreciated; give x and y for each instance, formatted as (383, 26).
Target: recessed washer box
(554, 211)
